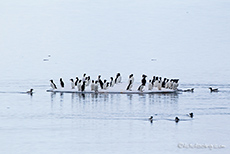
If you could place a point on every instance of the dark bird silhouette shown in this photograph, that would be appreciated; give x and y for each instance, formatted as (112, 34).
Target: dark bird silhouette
(118, 74)
(76, 81)
(143, 82)
(83, 86)
(189, 90)
(111, 81)
(53, 85)
(213, 90)
(100, 81)
(61, 83)
(30, 92)
(151, 119)
(190, 115)
(177, 119)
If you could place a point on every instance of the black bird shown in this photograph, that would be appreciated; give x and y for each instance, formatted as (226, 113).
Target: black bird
(53, 85)
(76, 81)
(83, 86)
(190, 115)
(189, 90)
(104, 84)
(130, 82)
(163, 83)
(177, 119)
(100, 81)
(151, 119)
(30, 92)
(213, 90)
(118, 74)
(61, 83)
(111, 81)
(107, 85)
(143, 82)
(153, 80)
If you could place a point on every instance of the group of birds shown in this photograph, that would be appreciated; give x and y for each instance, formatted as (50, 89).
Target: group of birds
(192, 90)
(176, 118)
(81, 84)
(156, 82)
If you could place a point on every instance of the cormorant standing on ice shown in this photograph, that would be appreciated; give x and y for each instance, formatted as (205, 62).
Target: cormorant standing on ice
(156, 82)
(61, 83)
(153, 80)
(175, 84)
(163, 83)
(72, 83)
(79, 85)
(96, 86)
(159, 85)
(118, 78)
(83, 86)
(84, 77)
(53, 85)
(170, 85)
(88, 81)
(150, 86)
(131, 80)
(143, 82)
(92, 85)
(167, 84)
(100, 81)
(104, 84)
(112, 82)
(76, 81)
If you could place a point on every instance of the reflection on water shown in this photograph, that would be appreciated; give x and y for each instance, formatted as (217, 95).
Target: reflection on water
(150, 98)
(166, 98)
(114, 106)
(135, 106)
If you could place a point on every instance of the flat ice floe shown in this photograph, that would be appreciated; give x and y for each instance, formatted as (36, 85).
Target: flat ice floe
(117, 89)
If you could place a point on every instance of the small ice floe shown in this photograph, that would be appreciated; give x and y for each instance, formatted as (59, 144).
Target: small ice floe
(213, 90)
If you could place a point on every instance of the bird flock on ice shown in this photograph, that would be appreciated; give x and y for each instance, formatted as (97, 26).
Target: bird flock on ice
(95, 85)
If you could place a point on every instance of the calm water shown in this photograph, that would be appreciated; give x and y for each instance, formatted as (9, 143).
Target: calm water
(66, 123)
(174, 39)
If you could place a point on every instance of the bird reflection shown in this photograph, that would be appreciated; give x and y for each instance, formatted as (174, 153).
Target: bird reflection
(158, 98)
(130, 97)
(61, 97)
